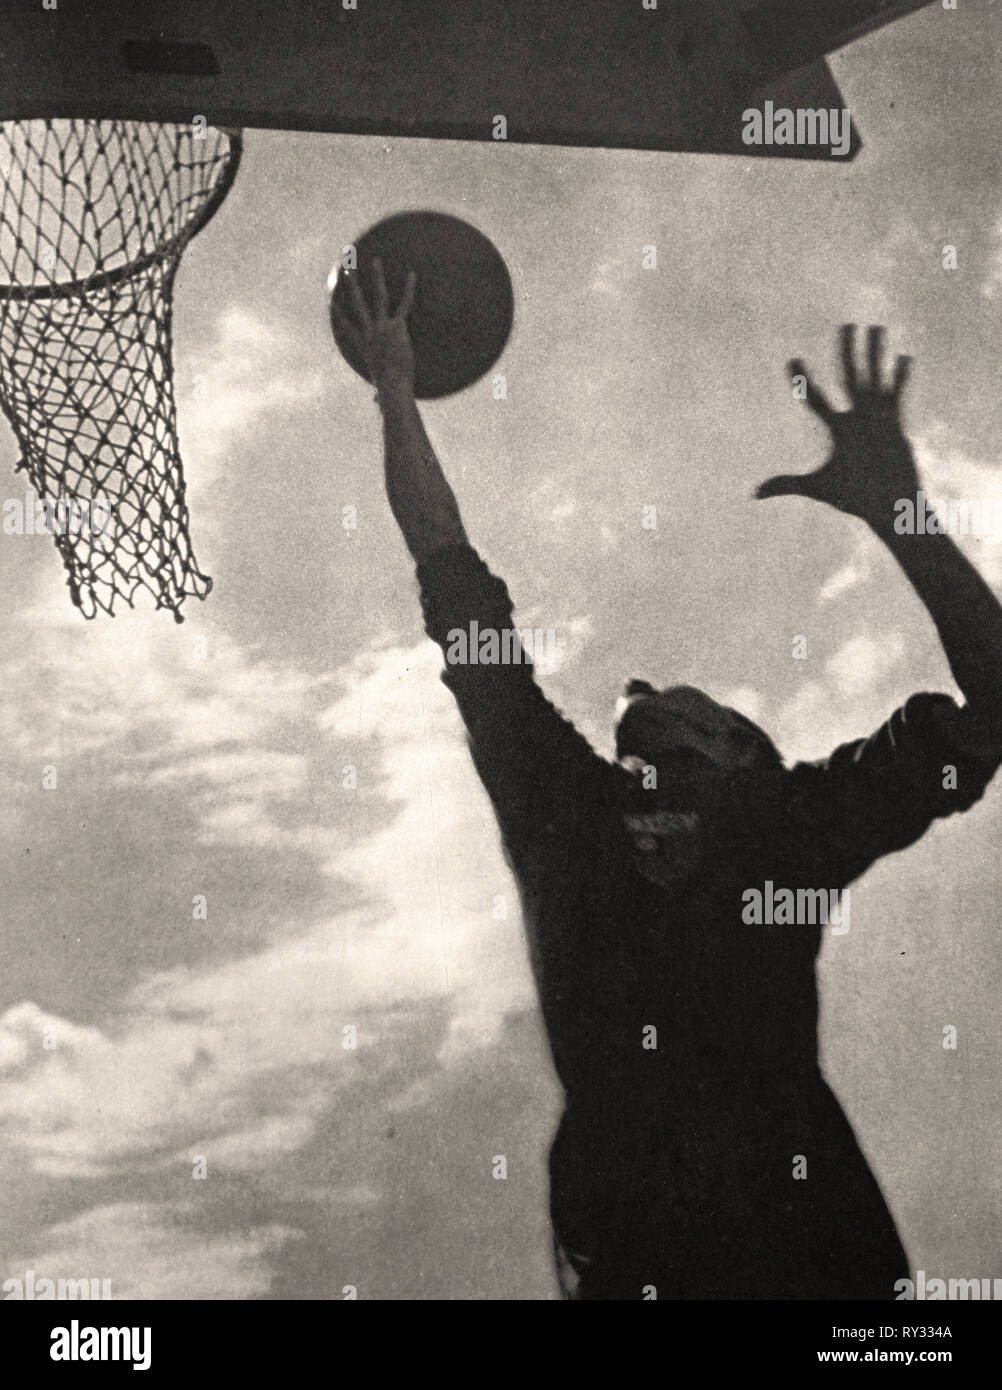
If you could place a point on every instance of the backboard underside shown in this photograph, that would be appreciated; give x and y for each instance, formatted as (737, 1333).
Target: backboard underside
(604, 73)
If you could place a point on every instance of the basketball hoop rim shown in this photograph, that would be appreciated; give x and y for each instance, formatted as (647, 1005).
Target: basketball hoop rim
(172, 248)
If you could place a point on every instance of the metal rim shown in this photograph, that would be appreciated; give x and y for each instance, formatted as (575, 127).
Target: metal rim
(170, 249)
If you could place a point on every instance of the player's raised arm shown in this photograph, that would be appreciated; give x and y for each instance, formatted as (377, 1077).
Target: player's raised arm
(531, 760)
(871, 468)
(421, 499)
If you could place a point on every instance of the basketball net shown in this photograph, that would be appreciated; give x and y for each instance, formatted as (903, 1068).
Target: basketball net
(94, 218)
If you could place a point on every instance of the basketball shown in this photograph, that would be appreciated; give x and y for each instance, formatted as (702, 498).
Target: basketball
(464, 306)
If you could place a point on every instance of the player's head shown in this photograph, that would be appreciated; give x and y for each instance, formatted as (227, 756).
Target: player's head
(681, 726)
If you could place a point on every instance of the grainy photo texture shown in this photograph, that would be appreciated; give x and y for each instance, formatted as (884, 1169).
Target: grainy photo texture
(501, 689)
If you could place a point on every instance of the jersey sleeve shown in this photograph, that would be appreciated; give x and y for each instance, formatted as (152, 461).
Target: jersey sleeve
(532, 761)
(880, 794)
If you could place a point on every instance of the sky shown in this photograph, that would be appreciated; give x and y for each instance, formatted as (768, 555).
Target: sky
(140, 1045)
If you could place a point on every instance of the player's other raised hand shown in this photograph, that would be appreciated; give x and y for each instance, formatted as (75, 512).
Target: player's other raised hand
(871, 464)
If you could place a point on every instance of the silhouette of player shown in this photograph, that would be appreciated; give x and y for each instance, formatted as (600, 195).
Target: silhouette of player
(673, 1167)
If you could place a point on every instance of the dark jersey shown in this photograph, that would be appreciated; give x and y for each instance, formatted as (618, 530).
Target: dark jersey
(685, 1035)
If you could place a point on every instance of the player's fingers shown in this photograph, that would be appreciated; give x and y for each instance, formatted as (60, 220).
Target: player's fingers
(875, 356)
(847, 345)
(380, 298)
(813, 395)
(902, 371)
(407, 298)
(358, 301)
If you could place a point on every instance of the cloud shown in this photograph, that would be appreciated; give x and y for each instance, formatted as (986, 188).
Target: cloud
(437, 866)
(863, 663)
(209, 726)
(851, 575)
(745, 700)
(554, 504)
(193, 1057)
(252, 370)
(608, 276)
(146, 1251)
(850, 699)
(948, 472)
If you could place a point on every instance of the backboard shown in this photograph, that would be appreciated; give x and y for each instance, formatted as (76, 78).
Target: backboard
(610, 73)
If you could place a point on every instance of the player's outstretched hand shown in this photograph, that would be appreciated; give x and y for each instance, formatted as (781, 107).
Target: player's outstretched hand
(871, 464)
(380, 336)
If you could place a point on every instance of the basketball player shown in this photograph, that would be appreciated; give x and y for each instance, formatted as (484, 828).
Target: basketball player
(701, 1153)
